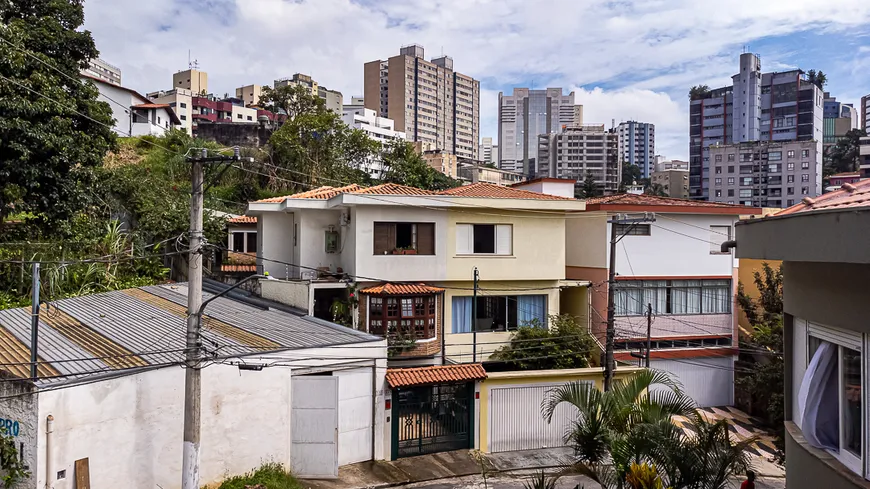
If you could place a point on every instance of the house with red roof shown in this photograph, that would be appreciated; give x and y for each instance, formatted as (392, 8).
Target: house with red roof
(673, 280)
(134, 114)
(403, 262)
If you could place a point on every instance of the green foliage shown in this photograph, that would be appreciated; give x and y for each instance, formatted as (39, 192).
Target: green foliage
(819, 78)
(541, 481)
(633, 423)
(48, 148)
(643, 476)
(698, 91)
(11, 465)
(291, 100)
(844, 156)
(566, 344)
(589, 188)
(631, 174)
(768, 307)
(270, 475)
(403, 165)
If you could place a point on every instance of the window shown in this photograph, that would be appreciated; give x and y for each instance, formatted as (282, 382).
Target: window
(805, 165)
(673, 297)
(718, 181)
(746, 192)
(250, 118)
(731, 169)
(251, 242)
(829, 398)
(405, 316)
(718, 158)
(182, 105)
(718, 170)
(774, 156)
(719, 234)
(774, 167)
(805, 177)
(244, 242)
(805, 190)
(730, 180)
(238, 116)
(484, 239)
(789, 179)
(731, 157)
(397, 237)
(631, 230)
(790, 166)
(718, 193)
(183, 117)
(805, 153)
(499, 313)
(730, 194)
(239, 242)
(746, 181)
(790, 153)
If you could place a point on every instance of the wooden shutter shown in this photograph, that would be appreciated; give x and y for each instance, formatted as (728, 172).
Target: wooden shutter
(426, 238)
(384, 237)
(503, 239)
(464, 235)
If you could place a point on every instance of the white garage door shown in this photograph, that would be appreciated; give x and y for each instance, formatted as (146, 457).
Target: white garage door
(315, 426)
(355, 404)
(516, 423)
(709, 381)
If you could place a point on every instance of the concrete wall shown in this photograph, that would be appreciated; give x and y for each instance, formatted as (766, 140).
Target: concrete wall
(586, 239)
(538, 248)
(130, 428)
(293, 293)
(18, 415)
(807, 467)
(313, 225)
(833, 294)
(275, 233)
(120, 101)
(400, 267)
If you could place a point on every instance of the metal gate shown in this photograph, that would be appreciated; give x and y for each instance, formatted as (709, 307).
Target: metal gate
(432, 419)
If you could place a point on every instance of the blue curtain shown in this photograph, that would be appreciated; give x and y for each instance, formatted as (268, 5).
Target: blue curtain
(461, 315)
(532, 307)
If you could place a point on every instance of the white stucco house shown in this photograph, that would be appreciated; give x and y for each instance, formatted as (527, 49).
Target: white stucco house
(134, 114)
(278, 385)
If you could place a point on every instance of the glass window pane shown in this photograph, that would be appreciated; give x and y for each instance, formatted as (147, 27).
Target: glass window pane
(851, 403)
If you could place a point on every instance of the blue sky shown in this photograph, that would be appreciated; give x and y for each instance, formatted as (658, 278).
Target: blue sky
(624, 59)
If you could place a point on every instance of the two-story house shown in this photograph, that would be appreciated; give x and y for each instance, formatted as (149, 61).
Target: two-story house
(404, 260)
(675, 267)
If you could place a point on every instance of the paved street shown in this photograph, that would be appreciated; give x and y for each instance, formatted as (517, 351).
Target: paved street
(567, 482)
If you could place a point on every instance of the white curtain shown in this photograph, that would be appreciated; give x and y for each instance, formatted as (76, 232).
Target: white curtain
(655, 292)
(716, 298)
(818, 399)
(693, 296)
(628, 298)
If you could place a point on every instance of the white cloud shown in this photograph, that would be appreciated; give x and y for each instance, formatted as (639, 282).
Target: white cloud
(631, 47)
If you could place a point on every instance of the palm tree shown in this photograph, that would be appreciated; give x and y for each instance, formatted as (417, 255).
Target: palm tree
(633, 424)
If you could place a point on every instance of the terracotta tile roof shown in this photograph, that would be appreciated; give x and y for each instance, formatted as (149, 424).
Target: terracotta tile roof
(151, 106)
(393, 189)
(239, 268)
(321, 193)
(407, 377)
(242, 220)
(493, 191)
(850, 195)
(654, 201)
(401, 289)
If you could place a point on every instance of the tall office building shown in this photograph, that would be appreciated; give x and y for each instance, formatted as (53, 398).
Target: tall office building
(488, 152)
(864, 113)
(637, 145)
(428, 100)
(98, 68)
(839, 119)
(578, 151)
(524, 116)
(334, 99)
(771, 107)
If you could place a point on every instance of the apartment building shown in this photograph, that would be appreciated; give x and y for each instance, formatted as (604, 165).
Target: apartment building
(181, 101)
(250, 94)
(488, 151)
(428, 100)
(774, 107)
(525, 115)
(663, 164)
(864, 157)
(408, 256)
(578, 115)
(192, 79)
(380, 129)
(98, 68)
(475, 172)
(578, 151)
(334, 99)
(864, 112)
(764, 173)
(674, 181)
(637, 145)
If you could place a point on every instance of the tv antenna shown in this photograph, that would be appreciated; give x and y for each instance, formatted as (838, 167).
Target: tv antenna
(194, 64)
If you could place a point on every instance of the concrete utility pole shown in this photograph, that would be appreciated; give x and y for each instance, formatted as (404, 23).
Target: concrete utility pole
(609, 363)
(34, 322)
(648, 333)
(193, 354)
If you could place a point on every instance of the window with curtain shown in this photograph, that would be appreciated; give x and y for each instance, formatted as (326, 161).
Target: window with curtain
(673, 297)
(499, 313)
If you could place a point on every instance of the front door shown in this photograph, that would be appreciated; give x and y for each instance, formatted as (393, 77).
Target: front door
(432, 419)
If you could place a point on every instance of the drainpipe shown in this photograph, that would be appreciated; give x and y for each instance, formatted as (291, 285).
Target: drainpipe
(49, 423)
(375, 407)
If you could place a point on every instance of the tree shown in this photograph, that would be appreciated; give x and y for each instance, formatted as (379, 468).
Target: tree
(698, 91)
(631, 174)
(54, 131)
(817, 78)
(845, 155)
(633, 423)
(291, 100)
(590, 189)
(655, 189)
(566, 344)
(403, 165)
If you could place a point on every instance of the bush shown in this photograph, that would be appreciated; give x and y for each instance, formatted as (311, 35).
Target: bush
(269, 475)
(566, 344)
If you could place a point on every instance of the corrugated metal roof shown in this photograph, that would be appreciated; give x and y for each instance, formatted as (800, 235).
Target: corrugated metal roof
(146, 327)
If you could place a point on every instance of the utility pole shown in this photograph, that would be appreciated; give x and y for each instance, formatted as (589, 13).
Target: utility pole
(474, 318)
(648, 332)
(34, 322)
(193, 353)
(609, 363)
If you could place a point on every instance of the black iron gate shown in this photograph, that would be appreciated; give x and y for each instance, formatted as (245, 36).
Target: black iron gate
(432, 419)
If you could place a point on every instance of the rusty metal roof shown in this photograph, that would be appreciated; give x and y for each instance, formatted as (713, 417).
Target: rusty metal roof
(140, 328)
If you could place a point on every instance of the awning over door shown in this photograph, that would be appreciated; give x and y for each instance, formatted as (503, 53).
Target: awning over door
(441, 374)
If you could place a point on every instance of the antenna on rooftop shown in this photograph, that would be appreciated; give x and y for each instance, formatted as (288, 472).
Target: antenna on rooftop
(193, 65)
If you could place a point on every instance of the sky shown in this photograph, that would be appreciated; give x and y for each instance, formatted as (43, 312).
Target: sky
(624, 59)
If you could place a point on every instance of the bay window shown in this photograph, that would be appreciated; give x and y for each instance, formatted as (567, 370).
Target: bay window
(392, 314)
(831, 408)
(672, 297)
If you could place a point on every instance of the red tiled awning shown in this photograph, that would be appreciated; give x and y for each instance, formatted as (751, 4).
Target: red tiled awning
(401, 289)
(446, 374)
